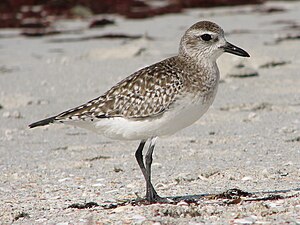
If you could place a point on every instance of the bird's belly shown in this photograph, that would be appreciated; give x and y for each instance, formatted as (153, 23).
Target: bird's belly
(183, 118)
(184, 113)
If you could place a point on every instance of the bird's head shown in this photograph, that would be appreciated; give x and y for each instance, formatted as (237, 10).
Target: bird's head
(205, 40)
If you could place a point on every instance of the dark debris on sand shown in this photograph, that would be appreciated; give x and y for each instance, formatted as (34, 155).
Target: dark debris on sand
(16, 13)
(231, 196)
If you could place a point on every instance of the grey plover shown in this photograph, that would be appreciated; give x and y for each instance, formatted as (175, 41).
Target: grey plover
(157, 100)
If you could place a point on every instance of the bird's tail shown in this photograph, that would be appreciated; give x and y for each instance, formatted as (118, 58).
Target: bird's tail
(42, 122)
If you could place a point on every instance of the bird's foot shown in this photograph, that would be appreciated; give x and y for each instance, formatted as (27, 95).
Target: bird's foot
(153, 197)
(161, 200)
(146, 201)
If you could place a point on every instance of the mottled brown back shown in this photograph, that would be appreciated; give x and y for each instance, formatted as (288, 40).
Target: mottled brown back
(147, 92)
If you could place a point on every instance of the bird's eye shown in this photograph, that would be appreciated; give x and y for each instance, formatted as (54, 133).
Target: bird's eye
(206, 37)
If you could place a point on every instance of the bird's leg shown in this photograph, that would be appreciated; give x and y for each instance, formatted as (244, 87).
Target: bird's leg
(139, 157)
(151, 194)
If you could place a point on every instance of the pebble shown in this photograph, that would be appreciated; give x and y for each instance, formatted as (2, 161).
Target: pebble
(138, 218)
(252, 115)
(247, 178)
(14, 114)
(41, 220)
(9, 134)
(132, 185)
(42, 102)
(288, 130)
(122, 208)
(158, 165)
(162, 186)
(112, 191)
(265, 173)
(288, 163)
(64, 179)
(202, 178)
(6, 114)
(186, 177)
(261, 222)
(98, 185)
(182, 203)
(246, 220)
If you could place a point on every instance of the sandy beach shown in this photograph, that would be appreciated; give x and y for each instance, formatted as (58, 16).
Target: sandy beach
(248, 140)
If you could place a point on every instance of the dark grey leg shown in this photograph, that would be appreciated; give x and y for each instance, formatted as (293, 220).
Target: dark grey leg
(151, 194)
(139, 157)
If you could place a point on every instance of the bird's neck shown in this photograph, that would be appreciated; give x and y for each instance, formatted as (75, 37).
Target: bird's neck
(198, 62)
(202, 67)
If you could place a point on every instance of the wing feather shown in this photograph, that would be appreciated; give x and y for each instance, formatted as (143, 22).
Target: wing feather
(146, 93)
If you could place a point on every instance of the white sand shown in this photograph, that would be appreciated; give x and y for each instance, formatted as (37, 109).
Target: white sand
(247, 140)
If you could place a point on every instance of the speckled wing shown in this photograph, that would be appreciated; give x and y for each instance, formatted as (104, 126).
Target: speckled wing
(146, 93)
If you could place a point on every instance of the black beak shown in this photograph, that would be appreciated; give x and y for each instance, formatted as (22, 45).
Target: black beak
(230, 48)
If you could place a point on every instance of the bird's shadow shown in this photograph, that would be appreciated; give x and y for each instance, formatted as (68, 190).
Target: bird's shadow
(231, 196)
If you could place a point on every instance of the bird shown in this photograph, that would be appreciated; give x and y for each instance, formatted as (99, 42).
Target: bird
(158, 100)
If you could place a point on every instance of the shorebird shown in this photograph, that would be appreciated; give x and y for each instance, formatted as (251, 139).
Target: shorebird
(159, 99)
